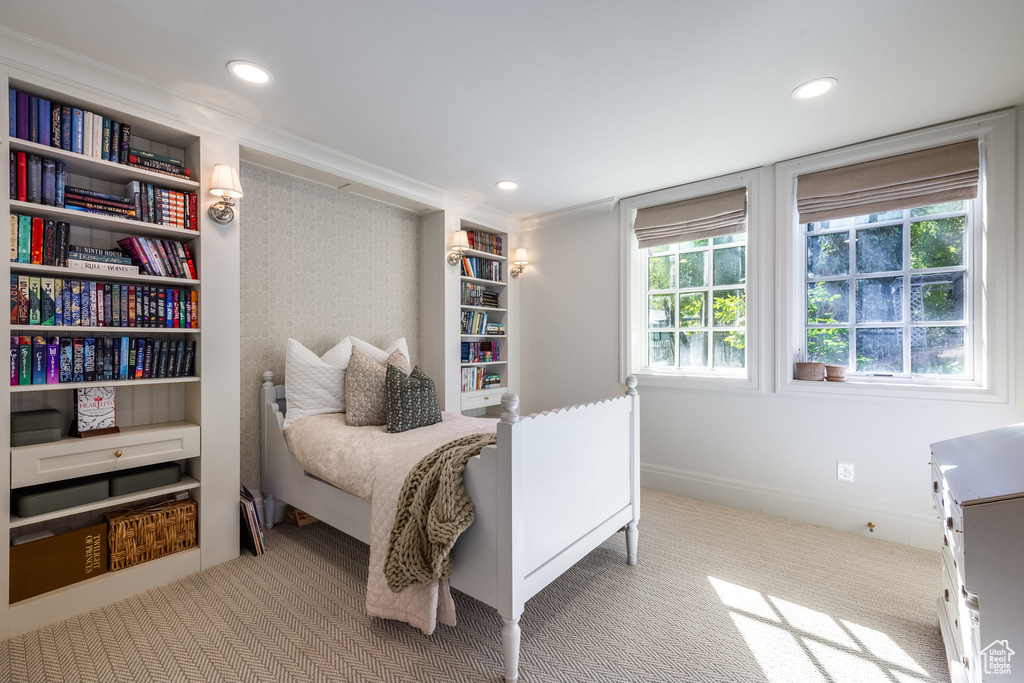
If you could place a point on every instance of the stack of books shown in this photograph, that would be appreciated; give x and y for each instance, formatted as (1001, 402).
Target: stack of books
(251, 526)
(477, 295)
(484, 241)
(164, 258)
(481, 268)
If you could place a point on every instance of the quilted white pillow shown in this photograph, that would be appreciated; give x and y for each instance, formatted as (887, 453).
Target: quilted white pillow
(314, 386)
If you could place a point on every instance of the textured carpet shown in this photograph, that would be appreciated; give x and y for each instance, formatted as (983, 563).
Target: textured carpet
(718, 595)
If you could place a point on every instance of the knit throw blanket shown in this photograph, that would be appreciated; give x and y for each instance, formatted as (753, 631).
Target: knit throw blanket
(433, 509)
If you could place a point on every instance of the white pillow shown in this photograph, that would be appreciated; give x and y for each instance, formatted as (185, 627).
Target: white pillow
(314, 386)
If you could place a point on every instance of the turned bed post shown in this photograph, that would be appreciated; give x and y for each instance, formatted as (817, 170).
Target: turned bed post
(266, 394)
(634, 445)
(510, 535)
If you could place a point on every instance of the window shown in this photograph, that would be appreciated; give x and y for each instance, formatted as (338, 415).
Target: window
(888, 294)
(696, 297)
(914, 293)
(690, 268)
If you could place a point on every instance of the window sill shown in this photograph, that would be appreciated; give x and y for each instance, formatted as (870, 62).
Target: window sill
(924, 388)
(708, 380)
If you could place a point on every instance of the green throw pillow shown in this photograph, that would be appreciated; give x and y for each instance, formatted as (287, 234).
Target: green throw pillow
(411, 400)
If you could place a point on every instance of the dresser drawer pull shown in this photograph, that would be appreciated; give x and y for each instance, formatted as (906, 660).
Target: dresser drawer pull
(117, 454)
(945, 594)
(967, 663)
(949, 522)
(935, 486)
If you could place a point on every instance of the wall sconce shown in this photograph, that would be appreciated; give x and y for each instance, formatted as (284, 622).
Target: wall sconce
(519, 262)
(225, 185)
(460, 242)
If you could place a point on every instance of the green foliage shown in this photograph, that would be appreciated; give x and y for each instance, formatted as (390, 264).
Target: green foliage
(731, 311)
(937, 243)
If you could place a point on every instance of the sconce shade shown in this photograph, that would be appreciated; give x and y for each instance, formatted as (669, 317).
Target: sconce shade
(460, 240)
(225, 182)
(520, 258)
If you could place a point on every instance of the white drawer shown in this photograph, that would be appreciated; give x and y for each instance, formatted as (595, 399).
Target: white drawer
(78, 457)
(483, 399)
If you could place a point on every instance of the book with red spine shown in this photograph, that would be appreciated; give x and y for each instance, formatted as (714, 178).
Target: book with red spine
(188, 260)
(37, 241)
(22, 195)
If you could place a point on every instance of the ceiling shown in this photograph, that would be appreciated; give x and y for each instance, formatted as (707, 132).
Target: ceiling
(577, 100)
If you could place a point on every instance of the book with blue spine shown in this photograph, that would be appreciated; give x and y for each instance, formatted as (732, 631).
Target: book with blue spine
(49, 192)
(89, 359)
(60, 183)
(67, 303)
(115, 138)
(53, 360)
(140, 357)
(12, 112)
(76, 303)
(77, 121)
(58, 302)
(65, 359)
(45, 125)
(86, 303)
(38, 360)
(105, 150)
(66, 127)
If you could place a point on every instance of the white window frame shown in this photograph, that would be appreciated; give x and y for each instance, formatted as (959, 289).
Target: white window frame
(633, 304)
(990, 263)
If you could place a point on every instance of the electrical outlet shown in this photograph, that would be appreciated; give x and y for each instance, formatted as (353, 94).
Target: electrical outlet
(844, 471)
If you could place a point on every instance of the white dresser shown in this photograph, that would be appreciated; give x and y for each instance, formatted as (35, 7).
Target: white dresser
(978, 487)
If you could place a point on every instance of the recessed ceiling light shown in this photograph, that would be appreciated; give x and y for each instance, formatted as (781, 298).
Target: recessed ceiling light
(815, 88)
(507, 184)
(250, 73)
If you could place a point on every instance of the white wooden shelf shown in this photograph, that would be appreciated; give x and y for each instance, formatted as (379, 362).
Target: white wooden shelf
(483, 363)
(75, 274)
(483, 254)
(186, 484)
(482, 281)
(97, 221)
(64, 386)
(485, 309)
(80, 164)
(484, 336)
(58, 330)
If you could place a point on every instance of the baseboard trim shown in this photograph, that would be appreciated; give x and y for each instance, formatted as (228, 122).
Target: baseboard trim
(921, 531)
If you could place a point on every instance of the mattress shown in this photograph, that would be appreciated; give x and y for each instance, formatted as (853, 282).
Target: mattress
(349, 458)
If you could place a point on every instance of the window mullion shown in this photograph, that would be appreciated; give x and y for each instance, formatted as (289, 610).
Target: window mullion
(907, 296)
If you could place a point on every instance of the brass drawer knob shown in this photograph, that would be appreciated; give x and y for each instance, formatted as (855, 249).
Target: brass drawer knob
(117, 454)
(935, 486)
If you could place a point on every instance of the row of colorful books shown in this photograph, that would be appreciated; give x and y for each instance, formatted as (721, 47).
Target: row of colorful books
(165, 258)
(39, 241)
(478, 295)
(41, 180)
(62, 302)
(474, 322)
(481, 268)
(481, 352)
(476, 378)
(485, 241)
(80, 131)
(68, 360)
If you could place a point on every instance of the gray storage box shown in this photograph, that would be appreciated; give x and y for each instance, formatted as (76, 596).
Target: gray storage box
(32, 436)
(28, 420)
(142, 478)
(37, 500)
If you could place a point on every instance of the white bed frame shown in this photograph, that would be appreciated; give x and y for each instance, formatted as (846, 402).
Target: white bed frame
(554, 487)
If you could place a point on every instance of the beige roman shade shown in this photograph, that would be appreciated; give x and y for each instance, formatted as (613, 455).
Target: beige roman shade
(699, 218)
(931, 176)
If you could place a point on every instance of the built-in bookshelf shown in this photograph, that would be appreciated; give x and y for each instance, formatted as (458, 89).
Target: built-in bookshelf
(470, 339)
(134, 214)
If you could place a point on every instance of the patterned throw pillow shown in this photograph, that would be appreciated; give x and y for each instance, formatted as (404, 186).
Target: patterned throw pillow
(411, 401)
(364, 387)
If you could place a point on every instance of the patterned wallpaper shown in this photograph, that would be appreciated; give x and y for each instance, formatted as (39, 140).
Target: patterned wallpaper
(317, 266)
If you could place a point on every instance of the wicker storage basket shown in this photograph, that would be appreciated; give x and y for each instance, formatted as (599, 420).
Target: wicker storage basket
(146, 533)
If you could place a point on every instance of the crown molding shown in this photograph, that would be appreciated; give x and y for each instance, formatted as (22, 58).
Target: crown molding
(601, 207)
(76, 74)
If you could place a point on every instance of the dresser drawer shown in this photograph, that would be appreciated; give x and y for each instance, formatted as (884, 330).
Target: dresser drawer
(483, 399)
(78, 457)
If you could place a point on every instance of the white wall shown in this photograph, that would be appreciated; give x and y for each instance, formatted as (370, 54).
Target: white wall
(757, 451)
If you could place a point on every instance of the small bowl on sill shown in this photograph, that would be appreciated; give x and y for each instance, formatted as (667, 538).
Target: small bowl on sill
(835, 373)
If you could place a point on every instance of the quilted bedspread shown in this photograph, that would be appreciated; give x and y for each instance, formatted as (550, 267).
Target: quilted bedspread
(372, 464)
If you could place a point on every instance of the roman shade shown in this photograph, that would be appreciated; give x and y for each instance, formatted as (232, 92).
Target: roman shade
(699, 218)
(930, 176)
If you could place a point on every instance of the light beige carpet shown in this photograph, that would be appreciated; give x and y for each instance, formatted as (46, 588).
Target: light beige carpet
(718, 595)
